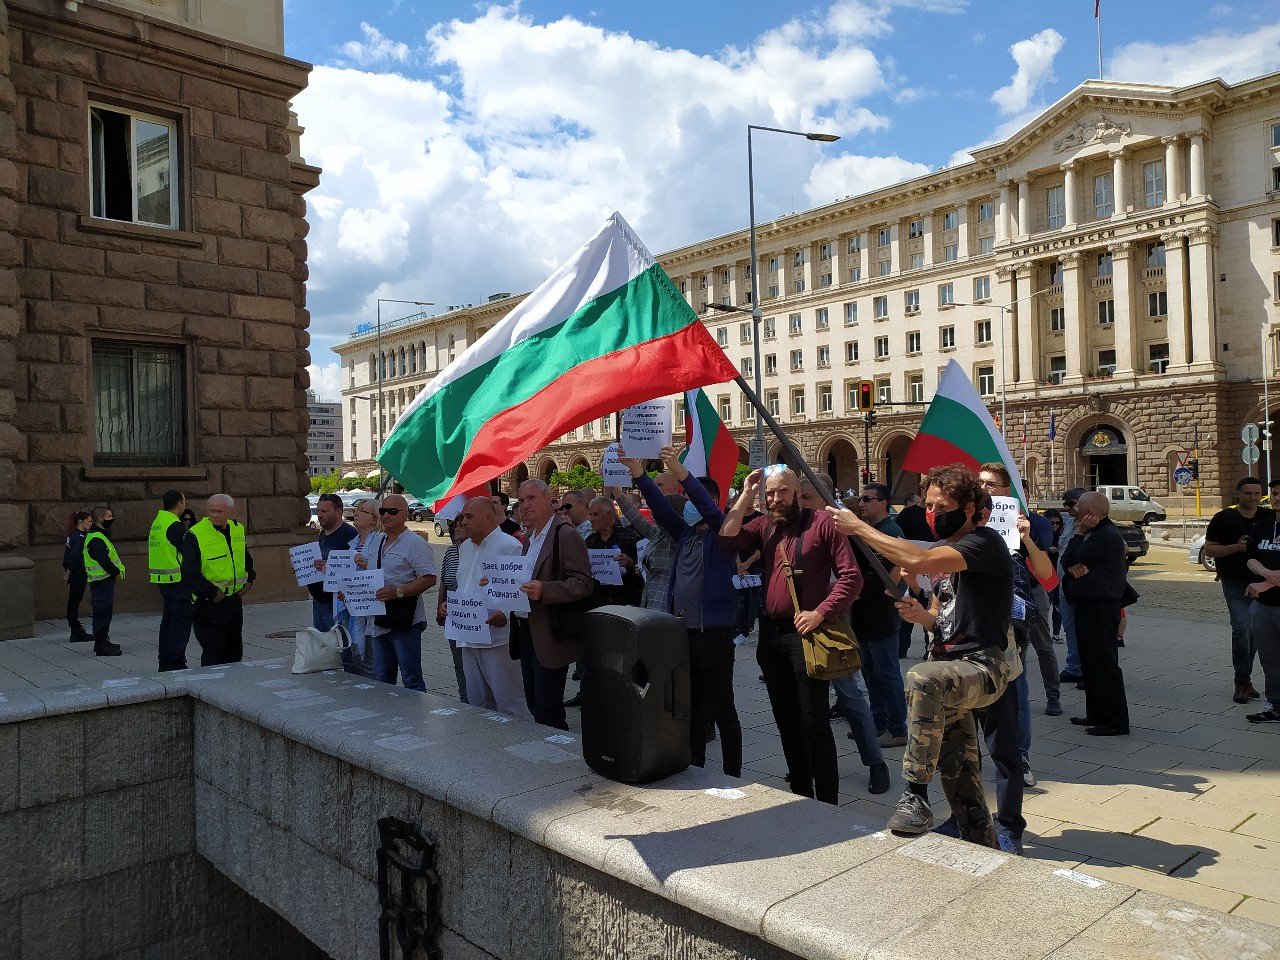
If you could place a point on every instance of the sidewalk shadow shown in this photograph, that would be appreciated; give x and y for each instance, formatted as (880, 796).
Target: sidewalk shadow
(1072, 846)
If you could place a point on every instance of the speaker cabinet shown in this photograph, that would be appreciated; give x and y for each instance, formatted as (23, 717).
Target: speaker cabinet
(635, 694)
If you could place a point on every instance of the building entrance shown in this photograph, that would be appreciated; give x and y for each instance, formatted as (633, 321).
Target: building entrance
(1104, 457)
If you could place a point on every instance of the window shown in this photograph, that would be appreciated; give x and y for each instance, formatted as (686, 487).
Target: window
(850, 314)
(1106, 312)
(1056, 205)
(722, 336)
(982, 333)
(915, 230)
(133, 167)
(950, 253)
(772, 292)
(1275, 135)
(824, 398)
(1275, 233)
(139, 405)
(851, 390)
(917, 261)
(824, 251)
(884, 390)
(770, 328)
(913, 341)
(912, 300)
(1057, 369)
(851, 351)
(986, 211)
(1103, 265)
(946, 294)
(684, 286)
(1057, 319)
(770, 364)
(915, 388)
(824, 280)
(747, 366)
(726, 410)
(797, 360)
(800, 259)
(1103, 202)
(886, 267)
(798, 285)
(745, 332)
(822, 318)
(1158, 357)
(771, 401)
(1153, 183)
(1055, 274)
(880, 308)
(987, 381)
(884, 237)
(855, 244)
(950, 220)
(1106, 361)
(1155, 254)
(882, 348)
(702, 282)
(947, 338)
(797, 402)
(824, 356)
(747, 411)
(589, 428)
(795, 324)
(1158, 304)
(413, 361)
(775, 264)
(982, 288)
(986, 245)
(726, 275)
(855, 274)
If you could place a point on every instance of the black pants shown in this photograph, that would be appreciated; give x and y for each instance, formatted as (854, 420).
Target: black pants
(800, 710)
(1000, 729)
(543, 686)
(904, 638)
(711, 687)
(175, 626)
(76, 586)
(218, 628)
(102, 599)
(1097, 625)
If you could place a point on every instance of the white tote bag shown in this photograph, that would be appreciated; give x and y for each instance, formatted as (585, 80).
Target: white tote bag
(316, 650)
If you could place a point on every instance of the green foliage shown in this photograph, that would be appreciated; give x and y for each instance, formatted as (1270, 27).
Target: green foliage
(578, 478)
(740, 475)
(329, 483)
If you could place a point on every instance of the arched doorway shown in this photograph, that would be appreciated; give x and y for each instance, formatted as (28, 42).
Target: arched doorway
(1103, 456)
(744, 455)
(547, 469)
(902, 484)
(1031, 474)
(841, 464)
(521, 475)
(778, 454)
(579, 461)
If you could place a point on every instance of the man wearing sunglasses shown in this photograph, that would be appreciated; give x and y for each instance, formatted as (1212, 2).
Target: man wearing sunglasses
(1071, 669)
(409, 570)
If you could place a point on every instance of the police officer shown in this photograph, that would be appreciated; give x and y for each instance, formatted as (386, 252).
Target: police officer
(102, 567)
(73, 575)
(164, 558)
(218, 569)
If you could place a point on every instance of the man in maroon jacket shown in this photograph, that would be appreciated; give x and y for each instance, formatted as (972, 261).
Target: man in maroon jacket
(827, 583)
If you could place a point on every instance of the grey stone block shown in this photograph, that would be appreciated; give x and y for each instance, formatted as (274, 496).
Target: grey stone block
(115, 831)
(456, 948)
(70, 698)
(19, 705)
(479, 904)
(140, 743)
(51, 923)
(51, 758)
(9, 767)
(10, 926)
(211, 823)
(112, 921)
(122, 691)
(50, 845)
(534, 927)
(168, 809)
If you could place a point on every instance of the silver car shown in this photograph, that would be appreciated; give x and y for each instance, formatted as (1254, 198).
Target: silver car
(1197, 555)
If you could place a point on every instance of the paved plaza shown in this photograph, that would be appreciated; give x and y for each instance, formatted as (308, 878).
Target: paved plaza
(1188, 806)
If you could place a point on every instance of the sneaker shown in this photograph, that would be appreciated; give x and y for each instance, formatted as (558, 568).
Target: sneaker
(913, 815)
(1008, 842)
(887, 739)
(574, 701)
(1269, 715)
(1066, 677)
(879, 779)
(1059, 639)
(1242, 693)
(1254, 694)
(1028, 778)
(1053, 709)
(948, 828)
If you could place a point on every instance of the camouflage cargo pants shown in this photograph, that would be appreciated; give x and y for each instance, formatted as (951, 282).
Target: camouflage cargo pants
(941, 698)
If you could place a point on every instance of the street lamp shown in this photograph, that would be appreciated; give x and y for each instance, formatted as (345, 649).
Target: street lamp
(382, 363)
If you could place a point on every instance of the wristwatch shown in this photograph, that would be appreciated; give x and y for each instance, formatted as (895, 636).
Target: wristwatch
(399, 593)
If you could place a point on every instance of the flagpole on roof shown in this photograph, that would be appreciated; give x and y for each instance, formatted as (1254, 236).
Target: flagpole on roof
(1097, 19)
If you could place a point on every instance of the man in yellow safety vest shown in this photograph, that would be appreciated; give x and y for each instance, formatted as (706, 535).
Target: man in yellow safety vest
(218, 569)
(164, 560)
(102, 566)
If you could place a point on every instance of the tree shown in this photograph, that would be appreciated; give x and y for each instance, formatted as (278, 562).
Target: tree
(329, 483)
(740, 475)
(578, 477)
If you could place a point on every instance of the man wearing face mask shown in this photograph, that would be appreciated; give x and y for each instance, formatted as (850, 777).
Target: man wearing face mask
(103, 567)
(700, 592)
(972, 576)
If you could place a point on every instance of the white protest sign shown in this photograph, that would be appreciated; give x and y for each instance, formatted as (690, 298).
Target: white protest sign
(360, 588)
(304, 559)
(338, 565)
(1004, 520)
(614, 473)
(746, 582)
(642, 551)
(646, 429)
(505, 577)
(604, 567)
(465, 623)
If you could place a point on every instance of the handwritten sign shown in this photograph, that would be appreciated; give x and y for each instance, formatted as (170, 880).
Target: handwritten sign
(1004, 520)
(505, 577)
(339, 564)
(604, 567)
(465, 623)
(746, 582)
(614, 473)
(360, 588)
(646, 429)
(304, 559)
(642, 551)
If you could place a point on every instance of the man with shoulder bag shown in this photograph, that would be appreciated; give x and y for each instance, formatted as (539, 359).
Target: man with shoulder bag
(408, 568)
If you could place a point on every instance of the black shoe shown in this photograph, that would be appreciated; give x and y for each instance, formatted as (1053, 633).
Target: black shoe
(762, 678)
(1080, 685)
(834, 713)
(82, 636)
(1066, 677)
(574, 701)
(879, 779)
(105, 648)
(1106, 732)
(1120, 642)
(1082, 721)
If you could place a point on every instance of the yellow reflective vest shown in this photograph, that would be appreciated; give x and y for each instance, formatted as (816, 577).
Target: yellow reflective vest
(225, 570)
(163, 558)
(92, 567)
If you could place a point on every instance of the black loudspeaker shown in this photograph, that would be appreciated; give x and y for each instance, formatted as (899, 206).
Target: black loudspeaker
(635, 694)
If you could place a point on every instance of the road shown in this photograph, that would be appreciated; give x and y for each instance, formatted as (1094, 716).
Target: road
(1174, 587)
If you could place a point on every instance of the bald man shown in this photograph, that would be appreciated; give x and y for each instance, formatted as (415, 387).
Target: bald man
(218, 567)
(1093, 565)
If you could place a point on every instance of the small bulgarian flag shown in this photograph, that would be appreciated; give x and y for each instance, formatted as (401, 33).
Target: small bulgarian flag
(711, 451)
(607, 330)
(958, 429)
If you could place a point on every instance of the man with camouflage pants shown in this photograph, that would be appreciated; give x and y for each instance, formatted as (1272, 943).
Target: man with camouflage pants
(972, 576)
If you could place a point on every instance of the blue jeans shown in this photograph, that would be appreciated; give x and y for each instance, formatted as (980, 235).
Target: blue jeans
(883, 677)
(851, 701)
(175, 626)
(399, 650)
(322, 616)
(1068, 611)
(1243, 646)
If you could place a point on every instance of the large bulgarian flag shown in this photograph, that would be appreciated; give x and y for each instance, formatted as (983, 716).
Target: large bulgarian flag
(958, 429)
(710, 451)
(607, 330)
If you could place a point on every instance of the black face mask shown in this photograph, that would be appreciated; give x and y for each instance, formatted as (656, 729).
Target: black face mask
(106, 524)
(946, 523)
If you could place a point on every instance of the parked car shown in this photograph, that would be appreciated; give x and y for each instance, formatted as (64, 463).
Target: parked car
(442, 527)
(1197, 555)
(314, 500)
(1135, 541)
(1127, 503)
(352, 499)
(419, 511)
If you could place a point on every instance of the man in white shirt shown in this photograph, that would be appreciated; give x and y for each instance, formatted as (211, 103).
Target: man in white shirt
(494, 680)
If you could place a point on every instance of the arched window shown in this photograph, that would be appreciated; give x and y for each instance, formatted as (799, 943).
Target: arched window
(373, 368)
(413, 359)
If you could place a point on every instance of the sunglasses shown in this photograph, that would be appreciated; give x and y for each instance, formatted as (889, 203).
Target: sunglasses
(388, 511)
(869, 499)
(1068, 503)
(564, 509)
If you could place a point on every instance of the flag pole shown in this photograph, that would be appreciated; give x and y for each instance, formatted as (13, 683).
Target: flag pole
(1097, 19)
(898, 587)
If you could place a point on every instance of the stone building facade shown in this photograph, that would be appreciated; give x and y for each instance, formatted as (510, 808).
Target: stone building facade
(324, 435)
(153, 266)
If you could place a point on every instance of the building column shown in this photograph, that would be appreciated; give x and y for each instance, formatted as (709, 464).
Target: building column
(1024, 208)
(1175, 281)
(895, 259)
(1173, 188)
(864, 252)
(809, 270)
(1074, 336)
(927, 238)
(1119, 185)
(1023, 327)
(1202, 277)
(1003, 231)
(1122, 294)
(1069, 199)
(962, 231)
(839, 259)
(1196, 189)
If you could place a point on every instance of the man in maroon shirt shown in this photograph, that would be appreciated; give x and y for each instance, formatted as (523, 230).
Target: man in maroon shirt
(827, 583)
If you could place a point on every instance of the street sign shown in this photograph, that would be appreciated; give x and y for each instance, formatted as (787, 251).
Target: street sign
(1182, 476)
(756, 454)
(1249, 434)
(1250, 454)
(1183, 456)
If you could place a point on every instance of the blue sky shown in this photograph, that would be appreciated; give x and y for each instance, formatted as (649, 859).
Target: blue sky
(468, 148)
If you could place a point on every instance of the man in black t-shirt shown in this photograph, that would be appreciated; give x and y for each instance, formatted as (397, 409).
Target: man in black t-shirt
(1262, 553)
(911, 521)
(1224, 541)
(972, 575)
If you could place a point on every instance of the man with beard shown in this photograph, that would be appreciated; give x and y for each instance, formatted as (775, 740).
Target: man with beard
(827, 582)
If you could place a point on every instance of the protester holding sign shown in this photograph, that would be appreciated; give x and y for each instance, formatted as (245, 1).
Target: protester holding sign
(609, 535)
(358, 659)
(334, 535)
(658, 558)
(409, 569)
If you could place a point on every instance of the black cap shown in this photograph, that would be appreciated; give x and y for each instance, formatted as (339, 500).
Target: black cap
(1074, 494)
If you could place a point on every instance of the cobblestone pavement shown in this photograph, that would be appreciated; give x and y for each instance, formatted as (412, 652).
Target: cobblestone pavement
(1188, 806)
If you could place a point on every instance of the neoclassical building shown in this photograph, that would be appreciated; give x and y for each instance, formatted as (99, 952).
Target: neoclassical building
(1113, 268)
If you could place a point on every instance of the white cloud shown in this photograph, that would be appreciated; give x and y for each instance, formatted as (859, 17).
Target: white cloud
(1034, 57)
(376, 236)
(1005, 130)
(848, 176)
(326, 379)
(374, 48)
(1231, 56)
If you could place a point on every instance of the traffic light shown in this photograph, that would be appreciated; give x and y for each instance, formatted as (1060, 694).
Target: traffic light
(866, 395)
(1195, 468)
(866, 475)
